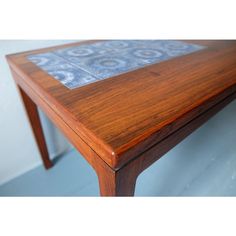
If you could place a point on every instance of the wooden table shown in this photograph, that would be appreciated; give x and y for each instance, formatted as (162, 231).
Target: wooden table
(123, 124)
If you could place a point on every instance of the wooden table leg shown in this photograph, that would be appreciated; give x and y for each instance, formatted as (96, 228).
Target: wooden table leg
(35, 122)
(116, 183)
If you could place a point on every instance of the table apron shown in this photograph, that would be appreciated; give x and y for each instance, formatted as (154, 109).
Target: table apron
(144, 160)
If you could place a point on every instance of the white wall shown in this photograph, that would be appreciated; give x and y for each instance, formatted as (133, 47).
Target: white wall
(18, 150)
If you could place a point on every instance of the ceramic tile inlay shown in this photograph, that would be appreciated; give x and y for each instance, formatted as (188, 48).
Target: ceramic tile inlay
(88, 63)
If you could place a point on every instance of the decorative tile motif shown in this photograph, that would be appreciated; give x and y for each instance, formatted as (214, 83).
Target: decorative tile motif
(77, 66)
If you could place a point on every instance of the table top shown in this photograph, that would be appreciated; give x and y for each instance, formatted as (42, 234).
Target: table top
(122, 113)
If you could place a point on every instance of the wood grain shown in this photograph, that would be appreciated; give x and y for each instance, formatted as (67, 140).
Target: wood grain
(112, 183)
(144, 160)
(125, 115)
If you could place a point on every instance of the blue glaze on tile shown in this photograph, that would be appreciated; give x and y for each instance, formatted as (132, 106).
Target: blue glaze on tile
(68, 74)
(77, 66)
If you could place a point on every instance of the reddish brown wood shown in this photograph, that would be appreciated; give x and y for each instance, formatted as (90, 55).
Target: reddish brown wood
(123, 124)
(125, 115)
(147, 158)
(116, 183)
(35, 122)
(122, 182)
(112, 183)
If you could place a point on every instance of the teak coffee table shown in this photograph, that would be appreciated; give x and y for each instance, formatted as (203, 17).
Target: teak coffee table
(124, 104)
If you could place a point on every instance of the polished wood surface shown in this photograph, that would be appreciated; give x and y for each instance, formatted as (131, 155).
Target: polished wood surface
(123, 121)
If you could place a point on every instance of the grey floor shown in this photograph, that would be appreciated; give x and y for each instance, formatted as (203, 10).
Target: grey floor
(70, 176)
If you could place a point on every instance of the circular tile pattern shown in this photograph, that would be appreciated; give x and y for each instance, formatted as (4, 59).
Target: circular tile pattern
(110, 63)
(175, 45)
(80, 52)
(147, 53)
(117, 44)
(40, 61)
(63, 76)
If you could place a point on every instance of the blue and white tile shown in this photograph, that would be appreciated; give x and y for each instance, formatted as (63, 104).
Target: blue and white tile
(176, 48)
(82, 52)
(69, 75)
(114, 44)
(106, 66)
(139, 52)
(146, 55)
(84, 64)
(109, 47)
(44, 60)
